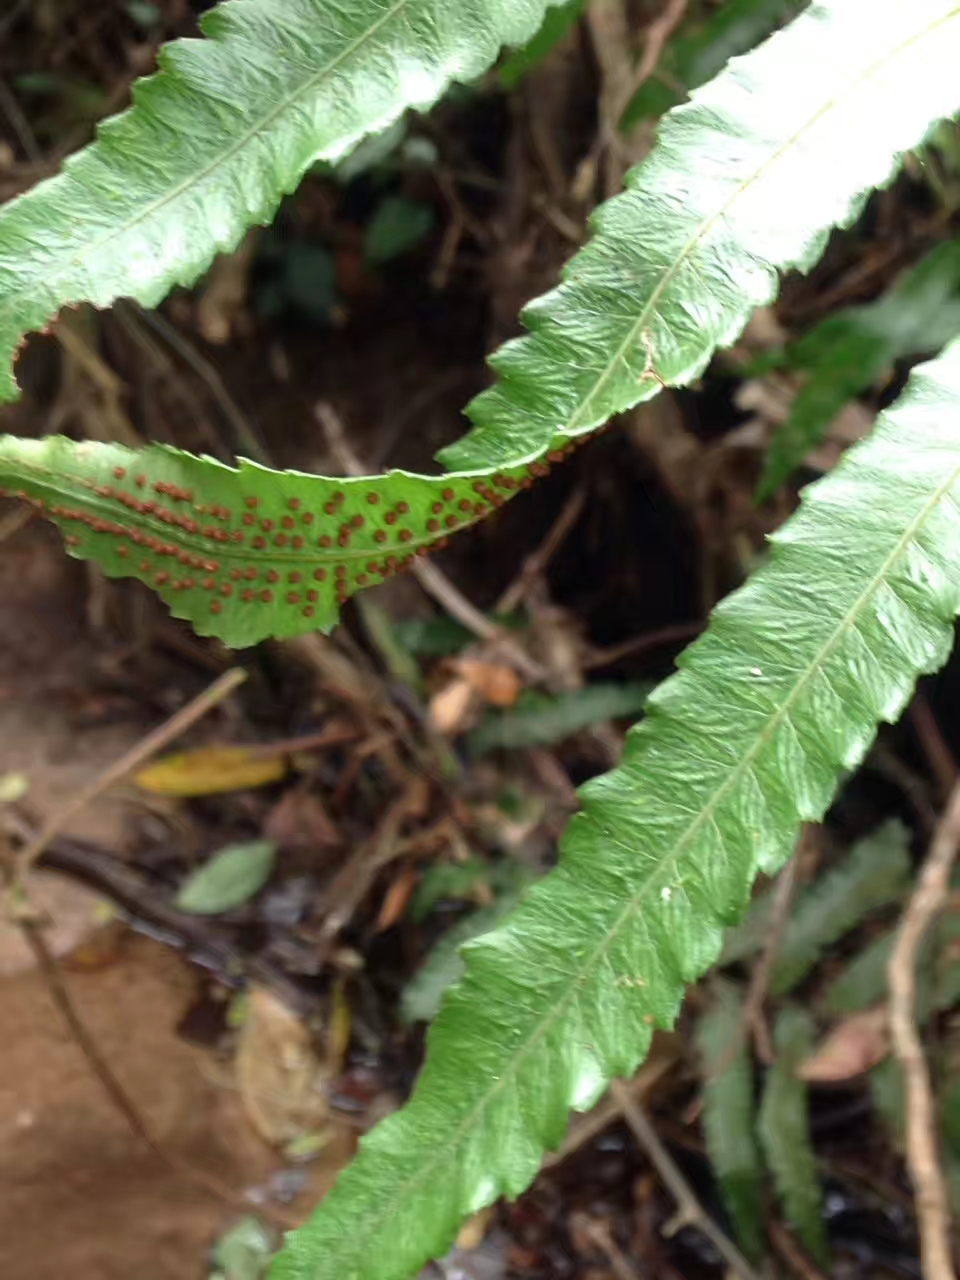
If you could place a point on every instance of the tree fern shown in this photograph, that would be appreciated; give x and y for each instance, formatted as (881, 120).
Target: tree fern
(228, 126)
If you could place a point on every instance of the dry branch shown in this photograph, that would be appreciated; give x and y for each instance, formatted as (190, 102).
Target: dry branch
(923, 1157)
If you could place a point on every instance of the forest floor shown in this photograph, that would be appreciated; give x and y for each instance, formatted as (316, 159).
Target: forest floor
(442, 786)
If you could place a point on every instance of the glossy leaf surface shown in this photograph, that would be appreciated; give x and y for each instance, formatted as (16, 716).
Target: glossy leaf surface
(745, 180)
(771, 706)
(221, 133)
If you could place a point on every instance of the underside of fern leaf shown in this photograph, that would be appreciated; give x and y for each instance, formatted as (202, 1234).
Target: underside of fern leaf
(226, 128)
(747, 178)
(779, 697)
(250, 553)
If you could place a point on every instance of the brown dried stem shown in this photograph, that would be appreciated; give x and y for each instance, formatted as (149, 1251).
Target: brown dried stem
(923, 1157)
(763, 969)
(690, 1212)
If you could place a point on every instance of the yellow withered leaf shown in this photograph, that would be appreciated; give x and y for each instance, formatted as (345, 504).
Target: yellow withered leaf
(210, 770)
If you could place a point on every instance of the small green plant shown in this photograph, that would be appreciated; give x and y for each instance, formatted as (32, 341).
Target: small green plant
(769, 708)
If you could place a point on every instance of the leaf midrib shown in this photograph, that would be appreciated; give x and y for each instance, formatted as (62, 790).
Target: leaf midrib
(668, 863)
(706, 226)
(511, 1068)
(53, 480)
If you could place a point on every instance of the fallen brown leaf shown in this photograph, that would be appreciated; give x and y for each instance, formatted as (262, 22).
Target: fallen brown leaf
(853, 1046)
(279, 1076)
(452, 707)
(496, 684)
(299, 821)
(396, 898)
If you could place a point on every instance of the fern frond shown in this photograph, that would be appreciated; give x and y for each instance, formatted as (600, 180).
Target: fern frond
(847, 352)
(875, 873)
(242, 554)
(784, 1129)
(780, 696)
(728, 1114)
(745, 180)
(863, 982)
(226, 128)
(675, 267)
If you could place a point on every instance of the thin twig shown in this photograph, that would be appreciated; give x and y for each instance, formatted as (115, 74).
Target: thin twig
(690, 1212)
(915, 787)
(608, 1110)
(602, 1237)
(356, 876)
(19, 123)
(655, 37)
(615, 98)
(131, 760)
(433, 580)
(642, 644)
(939, 757)
(923, 1160)
(246, 437)
(538, 560)
(792, 1254)
(760, 978)
(436, 583)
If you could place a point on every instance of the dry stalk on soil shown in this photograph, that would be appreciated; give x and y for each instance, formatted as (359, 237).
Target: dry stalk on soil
(923, 1158)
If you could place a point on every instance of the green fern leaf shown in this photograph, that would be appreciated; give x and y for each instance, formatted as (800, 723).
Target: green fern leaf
(847, 352)
(745, 180)
(874, 873)
(784, 1131)
(243, 554)
(771, 706)
(229, 126)
(675, 268)
(728, 1114)
(863, 982)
